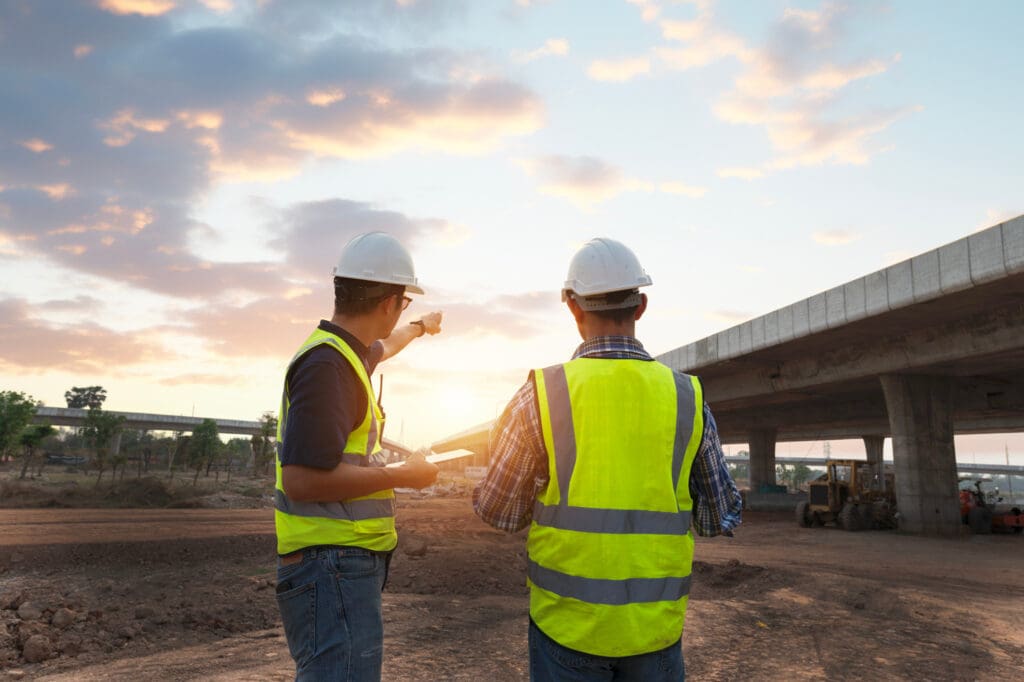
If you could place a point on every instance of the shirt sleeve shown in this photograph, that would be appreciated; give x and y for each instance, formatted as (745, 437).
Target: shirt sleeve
(519, 465)
(717, 505)
(325, 400)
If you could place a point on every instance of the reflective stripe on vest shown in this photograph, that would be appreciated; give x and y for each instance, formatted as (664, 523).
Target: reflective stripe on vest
(366, 521)
(621, 491)
(604, 591)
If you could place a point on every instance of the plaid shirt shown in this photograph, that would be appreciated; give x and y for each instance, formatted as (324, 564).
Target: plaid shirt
(519, 461)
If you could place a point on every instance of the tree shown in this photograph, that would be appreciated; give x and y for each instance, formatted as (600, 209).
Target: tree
(205, 446)
(794, 475)
(263, 443)
(739, 470)
(180, 452)
(16, 412)
(30, 439)
(90, 397)
(237, 450)
(99, 432)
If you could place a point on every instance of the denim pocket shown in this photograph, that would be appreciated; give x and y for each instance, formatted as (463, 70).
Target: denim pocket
(298, 614)
(355, 562)
(565, 656)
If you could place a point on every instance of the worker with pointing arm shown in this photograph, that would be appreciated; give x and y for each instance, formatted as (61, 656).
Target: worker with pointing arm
(610, 458)
(334, 503)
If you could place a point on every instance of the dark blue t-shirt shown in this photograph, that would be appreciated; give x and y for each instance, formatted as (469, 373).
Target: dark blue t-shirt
(328, 401)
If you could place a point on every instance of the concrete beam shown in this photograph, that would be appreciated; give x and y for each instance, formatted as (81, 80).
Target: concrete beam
(986, 334)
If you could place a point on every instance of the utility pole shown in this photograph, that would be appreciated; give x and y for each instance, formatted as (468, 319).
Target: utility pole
(1009, 474)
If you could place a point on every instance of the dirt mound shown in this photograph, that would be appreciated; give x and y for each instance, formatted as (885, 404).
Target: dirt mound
(735, 578)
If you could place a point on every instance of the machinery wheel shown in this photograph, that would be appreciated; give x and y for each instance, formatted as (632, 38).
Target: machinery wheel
(867, 515)
(979, 519)
(803, 517)
(850, 518)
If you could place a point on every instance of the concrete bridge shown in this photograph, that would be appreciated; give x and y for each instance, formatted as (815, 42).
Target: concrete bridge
(918, 351)
(921, 350)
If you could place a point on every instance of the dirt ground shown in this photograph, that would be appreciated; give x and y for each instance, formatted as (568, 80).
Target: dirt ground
(187, 594)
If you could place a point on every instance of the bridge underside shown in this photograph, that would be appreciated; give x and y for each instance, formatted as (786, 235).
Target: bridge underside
(898, 374)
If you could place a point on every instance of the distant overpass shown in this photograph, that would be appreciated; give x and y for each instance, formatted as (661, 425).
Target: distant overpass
(68, 416)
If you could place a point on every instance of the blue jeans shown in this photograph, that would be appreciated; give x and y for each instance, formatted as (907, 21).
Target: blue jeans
(331, 608)
(550, 661)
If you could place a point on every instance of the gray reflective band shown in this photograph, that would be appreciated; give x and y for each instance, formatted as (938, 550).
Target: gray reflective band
(349, 510)
(612, 592)
(685, 412)
(627, 521)
(562, 433)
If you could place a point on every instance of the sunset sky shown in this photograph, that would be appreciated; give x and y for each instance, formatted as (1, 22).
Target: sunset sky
(177, 177)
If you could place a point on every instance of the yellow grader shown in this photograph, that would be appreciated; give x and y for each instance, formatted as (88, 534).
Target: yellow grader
(853, 494)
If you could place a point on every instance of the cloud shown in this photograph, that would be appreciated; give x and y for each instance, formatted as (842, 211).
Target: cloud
(312, 234)
(582, 179)
(147, 8)
(835, 237)
(30, 344)
(894, 257)
(36, 145)
(79, 304)
(789, 86)
(586, 180)
(732, 317)
(553, 47)
(649, 9)
(618, 70)
(994, 216)
(102, 169)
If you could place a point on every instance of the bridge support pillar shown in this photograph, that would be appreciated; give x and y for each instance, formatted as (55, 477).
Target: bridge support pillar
(873, 446)
(762, 458)
(921, 418)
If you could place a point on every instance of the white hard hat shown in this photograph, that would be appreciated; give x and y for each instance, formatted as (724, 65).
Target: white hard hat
(602, 266)
(378, 257)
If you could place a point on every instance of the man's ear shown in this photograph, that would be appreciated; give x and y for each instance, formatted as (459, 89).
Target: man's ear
(575, 309)
(640, 309)
(385, 304)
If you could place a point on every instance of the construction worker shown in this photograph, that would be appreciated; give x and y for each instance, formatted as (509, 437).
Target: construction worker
(612, 456)
(334, 502)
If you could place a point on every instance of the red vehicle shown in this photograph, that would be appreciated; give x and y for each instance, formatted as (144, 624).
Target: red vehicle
(978, 509)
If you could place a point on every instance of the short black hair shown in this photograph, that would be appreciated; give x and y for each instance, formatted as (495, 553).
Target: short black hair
(358, 296)
(616, 315)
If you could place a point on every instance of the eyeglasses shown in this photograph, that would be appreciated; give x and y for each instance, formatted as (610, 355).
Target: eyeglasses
(405, 302)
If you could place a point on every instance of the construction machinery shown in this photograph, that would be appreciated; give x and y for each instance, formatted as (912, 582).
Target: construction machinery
(982, 512)
(853, 494)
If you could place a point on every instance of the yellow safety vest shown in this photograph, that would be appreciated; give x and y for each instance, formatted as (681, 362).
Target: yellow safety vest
(367, 521)
(610, 548)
